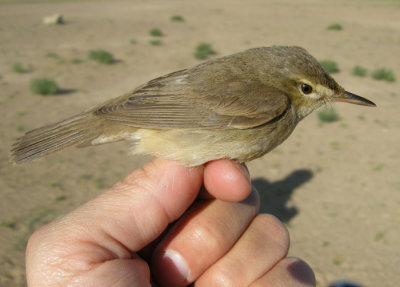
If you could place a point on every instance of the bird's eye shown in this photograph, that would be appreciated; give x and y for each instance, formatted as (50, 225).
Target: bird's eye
(306, 89)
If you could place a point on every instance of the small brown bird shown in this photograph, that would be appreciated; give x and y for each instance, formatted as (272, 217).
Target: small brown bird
(239, 107)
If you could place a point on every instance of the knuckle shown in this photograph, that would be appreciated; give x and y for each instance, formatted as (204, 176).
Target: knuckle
(206, 238)
(272, 227)
(223, 277)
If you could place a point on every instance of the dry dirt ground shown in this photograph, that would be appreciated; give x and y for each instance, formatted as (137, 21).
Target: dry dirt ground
(336, 185)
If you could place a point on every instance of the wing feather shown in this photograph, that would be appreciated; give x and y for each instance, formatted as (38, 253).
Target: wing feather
(198, 98)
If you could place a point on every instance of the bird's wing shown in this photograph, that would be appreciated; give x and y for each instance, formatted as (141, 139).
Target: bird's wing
(177, 101)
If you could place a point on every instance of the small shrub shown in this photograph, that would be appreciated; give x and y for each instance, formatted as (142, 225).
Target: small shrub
(44, 86)
(60, 198)
(9, 223)
(335, 27)
(133, 41)
(155, 42)
(328, 115)
(156, 32)
(101, 56)
(177, 18)
(18, 68)
(203, 50)
(359, 71)
(76, 61)
(329, 66)
(336, 146)
(20, 128)
(52, 55)
(383, 74)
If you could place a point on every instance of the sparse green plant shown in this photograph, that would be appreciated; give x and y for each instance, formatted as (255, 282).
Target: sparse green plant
(325, 243)
(318, 169)
(85, 176)
(76, 61)
(44, 86)
(335, 27)
(379, 235)
(156, 32)
(335, 145)
(155, 42)
(379, 166)
(60, 198)
(52, 55)
(383, 74)
(177, 18)
(332, 214)
(361, 117)
(133, 41)
(20, 243)
(21, 113)
(20, 128)
(329, 66)
(337, 261)
(203, 50)
(54, 185)
(99, 183)
(101, 56)
(328, 115)
(18, 68)
(380, 122)
(359, 71)
(40, 217)
(9, 223)
(89, 154)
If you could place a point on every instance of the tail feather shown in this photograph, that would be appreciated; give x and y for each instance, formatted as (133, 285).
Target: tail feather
(52, 138)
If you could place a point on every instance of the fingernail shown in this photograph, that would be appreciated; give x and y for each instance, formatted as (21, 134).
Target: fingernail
(176, 270)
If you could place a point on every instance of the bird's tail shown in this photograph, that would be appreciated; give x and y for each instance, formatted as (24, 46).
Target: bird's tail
(76, 130)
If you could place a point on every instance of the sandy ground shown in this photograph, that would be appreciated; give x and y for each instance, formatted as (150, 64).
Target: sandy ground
(336, 185)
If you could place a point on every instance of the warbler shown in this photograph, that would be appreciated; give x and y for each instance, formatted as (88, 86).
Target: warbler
(238, 107)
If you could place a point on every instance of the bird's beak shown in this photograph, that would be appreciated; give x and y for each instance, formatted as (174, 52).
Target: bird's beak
(348, 97)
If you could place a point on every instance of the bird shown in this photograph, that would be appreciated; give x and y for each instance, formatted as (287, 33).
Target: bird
(239, 107)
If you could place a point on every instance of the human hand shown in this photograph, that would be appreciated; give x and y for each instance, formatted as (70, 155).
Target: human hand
(155, 226)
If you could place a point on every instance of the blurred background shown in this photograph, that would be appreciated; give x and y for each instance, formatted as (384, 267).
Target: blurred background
(335, 182)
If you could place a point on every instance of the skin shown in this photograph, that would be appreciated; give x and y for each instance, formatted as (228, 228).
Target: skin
(169, 224)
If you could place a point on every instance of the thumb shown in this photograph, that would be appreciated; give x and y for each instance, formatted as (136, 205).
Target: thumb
(138, 209)
(122, 220)
(102, 234)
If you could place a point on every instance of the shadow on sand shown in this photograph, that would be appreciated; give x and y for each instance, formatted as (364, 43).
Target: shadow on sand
(275, 195)
(63, 92)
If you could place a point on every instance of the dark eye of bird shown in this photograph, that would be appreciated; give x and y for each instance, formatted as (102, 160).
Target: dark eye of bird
(306, 89)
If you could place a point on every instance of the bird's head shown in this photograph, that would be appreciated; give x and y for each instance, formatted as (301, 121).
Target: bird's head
(306, 82)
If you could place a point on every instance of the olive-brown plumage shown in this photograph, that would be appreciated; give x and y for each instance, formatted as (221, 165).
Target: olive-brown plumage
(240, 107)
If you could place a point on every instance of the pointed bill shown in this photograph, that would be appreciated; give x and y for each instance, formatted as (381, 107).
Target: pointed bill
(351, 98)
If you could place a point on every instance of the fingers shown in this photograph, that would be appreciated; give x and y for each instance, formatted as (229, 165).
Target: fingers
(200, 239)
(289, 272)
(265, 242)
(227, 180)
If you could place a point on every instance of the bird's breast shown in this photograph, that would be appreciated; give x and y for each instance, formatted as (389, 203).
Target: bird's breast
(195, 147)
